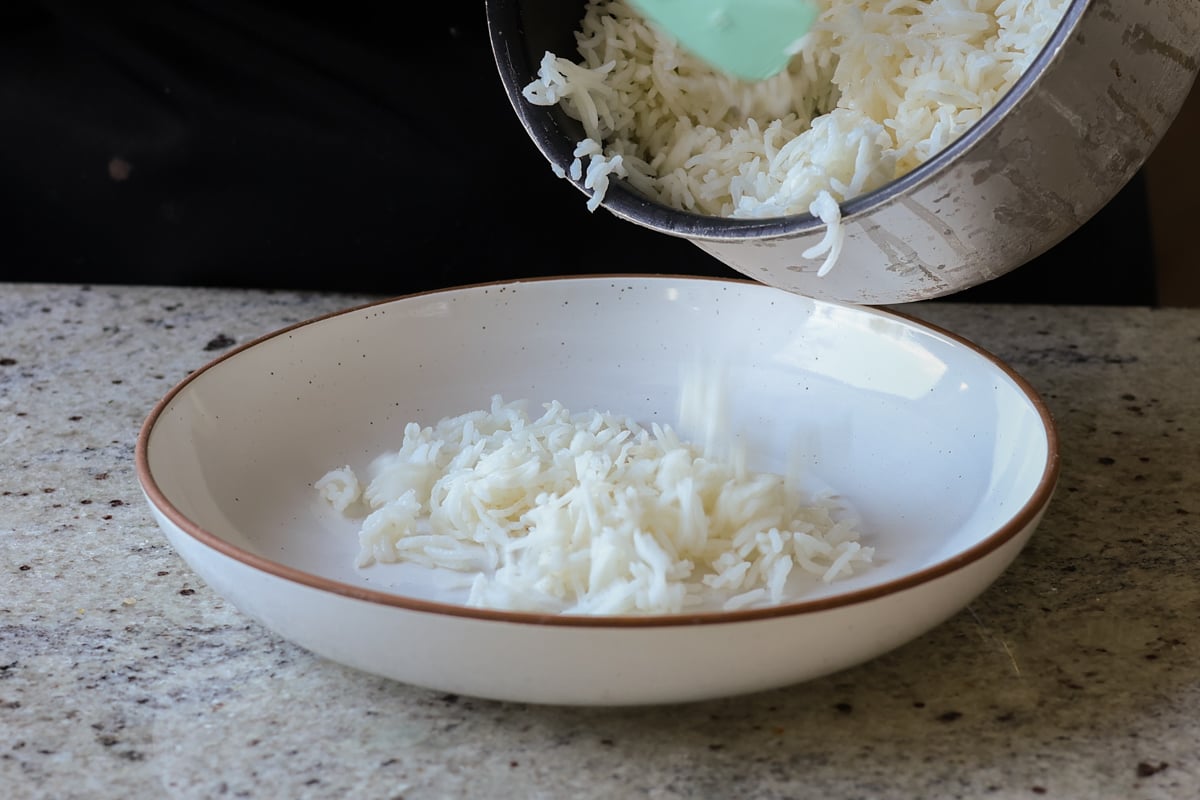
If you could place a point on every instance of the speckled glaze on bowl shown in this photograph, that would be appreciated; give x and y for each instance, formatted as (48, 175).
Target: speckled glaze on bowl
(949, 457)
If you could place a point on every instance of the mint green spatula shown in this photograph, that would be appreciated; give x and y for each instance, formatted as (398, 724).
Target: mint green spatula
(749, 39)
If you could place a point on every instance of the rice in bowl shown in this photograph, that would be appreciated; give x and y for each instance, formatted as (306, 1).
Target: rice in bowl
(592, 513)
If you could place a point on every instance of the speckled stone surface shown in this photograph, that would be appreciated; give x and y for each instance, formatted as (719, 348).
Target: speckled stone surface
(1077, 675)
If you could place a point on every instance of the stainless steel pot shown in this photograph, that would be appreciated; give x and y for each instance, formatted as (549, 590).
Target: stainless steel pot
(1057, 148)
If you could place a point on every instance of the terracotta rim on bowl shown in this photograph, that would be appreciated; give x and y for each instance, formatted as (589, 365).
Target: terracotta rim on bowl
(1024, 516)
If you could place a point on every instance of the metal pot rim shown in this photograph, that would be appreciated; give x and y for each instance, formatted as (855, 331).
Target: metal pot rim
(621, 199)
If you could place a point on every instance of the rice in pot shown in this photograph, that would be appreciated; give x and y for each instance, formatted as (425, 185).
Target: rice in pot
(878, 87)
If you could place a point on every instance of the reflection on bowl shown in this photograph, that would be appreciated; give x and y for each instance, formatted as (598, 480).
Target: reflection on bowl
(949, 458)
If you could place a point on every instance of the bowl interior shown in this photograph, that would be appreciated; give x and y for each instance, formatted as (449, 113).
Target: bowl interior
(942, 450)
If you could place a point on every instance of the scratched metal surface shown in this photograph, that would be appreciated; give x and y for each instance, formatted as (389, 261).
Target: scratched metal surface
(1069, 136)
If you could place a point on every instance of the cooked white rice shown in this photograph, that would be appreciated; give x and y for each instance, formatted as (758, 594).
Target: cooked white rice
(878, 87)
(592, 513)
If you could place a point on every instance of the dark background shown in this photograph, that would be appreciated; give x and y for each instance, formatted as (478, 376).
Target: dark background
(358, 146)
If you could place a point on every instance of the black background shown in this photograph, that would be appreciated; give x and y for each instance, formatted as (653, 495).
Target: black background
(358, 146)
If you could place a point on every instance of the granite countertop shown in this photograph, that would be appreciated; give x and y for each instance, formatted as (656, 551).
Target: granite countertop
(122, 675)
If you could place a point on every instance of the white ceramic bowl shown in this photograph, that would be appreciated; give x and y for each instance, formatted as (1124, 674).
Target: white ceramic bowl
(949, 457)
